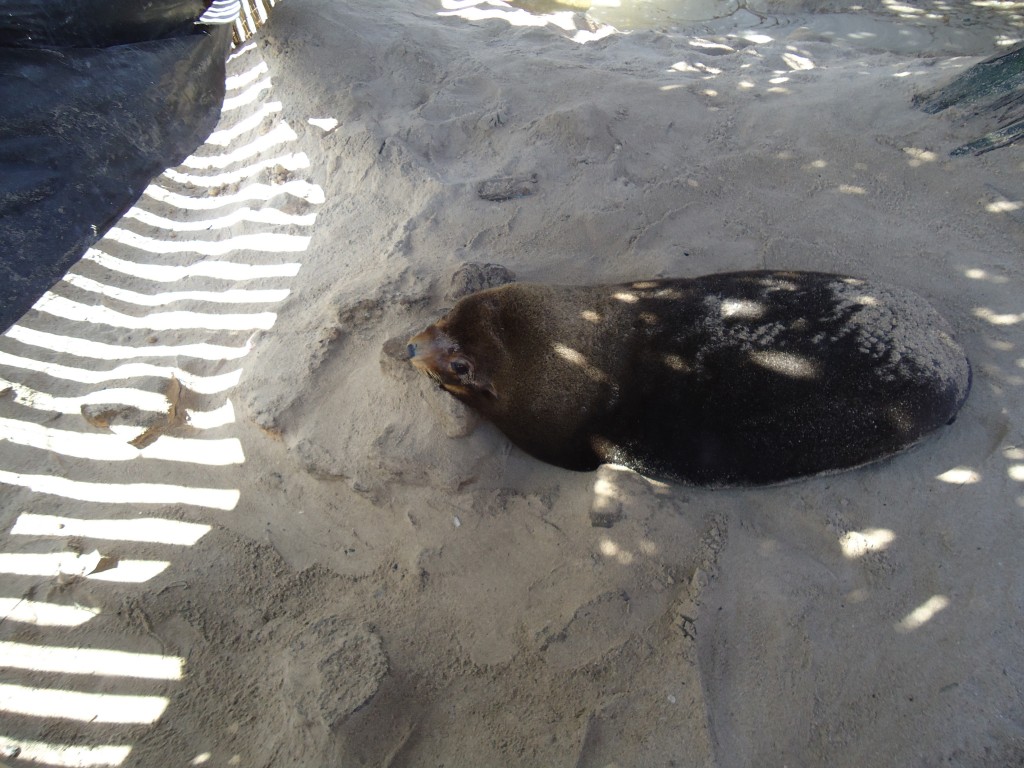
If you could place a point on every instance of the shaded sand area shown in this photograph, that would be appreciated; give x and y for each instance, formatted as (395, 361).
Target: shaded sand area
(238, 530)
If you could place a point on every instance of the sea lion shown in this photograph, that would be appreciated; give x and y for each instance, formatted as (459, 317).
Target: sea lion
(742, 378)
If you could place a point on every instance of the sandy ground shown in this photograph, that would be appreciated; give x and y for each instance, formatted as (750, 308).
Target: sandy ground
(311, 557)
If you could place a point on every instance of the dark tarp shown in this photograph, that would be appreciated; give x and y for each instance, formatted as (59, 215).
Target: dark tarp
(96, 98)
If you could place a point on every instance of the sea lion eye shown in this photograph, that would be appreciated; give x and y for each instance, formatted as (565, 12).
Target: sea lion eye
(459, 367)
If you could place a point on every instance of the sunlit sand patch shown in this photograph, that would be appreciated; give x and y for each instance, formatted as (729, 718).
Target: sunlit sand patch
(90, 661)
(919, 156)
(229, 296)
(149, 529)
(924, 613)
(84, 707)
(124, 493)
(300, 188)
(981, 274)
(225, 136)
(1004, 206)
(248, 96)
(67, 755)
(856, 544)
(959, 476)
(170, 273)
(44, 614)
(59, 306)
(995, 318)
(118, 447)
(91, 565)
(216, 182)
(611, 550)
(243, 79)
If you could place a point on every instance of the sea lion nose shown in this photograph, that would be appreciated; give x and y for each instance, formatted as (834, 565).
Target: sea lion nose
(411, 349)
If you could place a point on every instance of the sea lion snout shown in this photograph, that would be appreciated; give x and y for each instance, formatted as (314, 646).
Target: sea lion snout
(434, 353)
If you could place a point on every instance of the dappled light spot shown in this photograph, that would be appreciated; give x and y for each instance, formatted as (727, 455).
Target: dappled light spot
(325, 124)
(271, 242)
(1004, 206)
(1014, 454)
(710, 92)
(578, 359)
(796, 62)
(201, 759)
(959, 476)
(787, 363)
(590, 316)
(82, 347)
(746, 85)
(858, 595)
(66, 755)
(1016, 472)
(149, 529)
(852, 189)
(90, 565)
(243, 214)
(628, 298)
(84, 707)
(225, 136)
(817, 164)
(613, 551)
(480, 10)
(742, 309)
(711, 47)
(676, 363)
(919, 156)
(90, 661)
(300, 188)
(218, 183)
(779, 80)
(281, 133)
(990, 316)
(170, 273)
(248, 96)
(856, 544)
(44, 614)
(124, 493)
(923, 613)
(230, 296)
(113, 447)
(645, 284)
(902, 9)
(865, 301)
(58, 306)
(981, 274)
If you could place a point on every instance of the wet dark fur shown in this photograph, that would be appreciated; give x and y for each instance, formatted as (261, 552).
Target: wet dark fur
(664, 377)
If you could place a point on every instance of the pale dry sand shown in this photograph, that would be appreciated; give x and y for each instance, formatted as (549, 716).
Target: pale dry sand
(379, 579)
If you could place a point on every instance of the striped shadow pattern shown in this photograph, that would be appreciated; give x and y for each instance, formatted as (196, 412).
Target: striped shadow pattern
(117, 421)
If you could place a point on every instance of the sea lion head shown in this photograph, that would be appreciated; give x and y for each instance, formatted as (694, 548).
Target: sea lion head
(462, 353)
